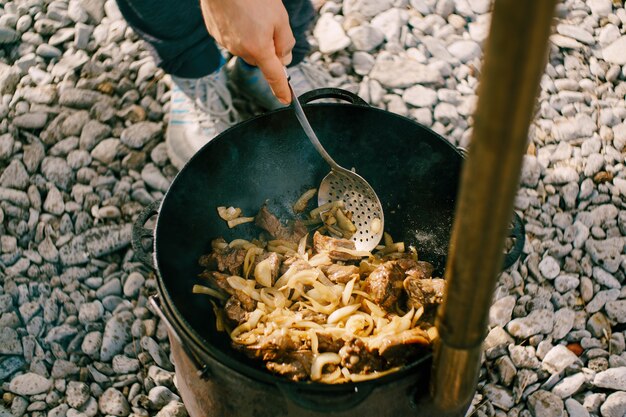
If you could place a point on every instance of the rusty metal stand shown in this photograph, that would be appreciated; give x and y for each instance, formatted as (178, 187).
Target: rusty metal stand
(515, 58)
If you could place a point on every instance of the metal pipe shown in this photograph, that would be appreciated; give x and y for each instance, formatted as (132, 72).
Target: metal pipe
(515, 58)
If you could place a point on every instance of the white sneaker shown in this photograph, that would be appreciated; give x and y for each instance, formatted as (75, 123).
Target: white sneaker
(200, 109)
(249, 81)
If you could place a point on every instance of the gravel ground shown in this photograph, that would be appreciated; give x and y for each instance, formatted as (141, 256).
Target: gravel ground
(83, 111)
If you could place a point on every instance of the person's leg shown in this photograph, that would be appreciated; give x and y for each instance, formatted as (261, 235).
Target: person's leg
(201, 105)
(301, 14)
(175, 32)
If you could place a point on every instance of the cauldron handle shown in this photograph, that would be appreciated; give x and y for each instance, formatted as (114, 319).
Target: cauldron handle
(331, 403)
(329, 92)
(140, 232)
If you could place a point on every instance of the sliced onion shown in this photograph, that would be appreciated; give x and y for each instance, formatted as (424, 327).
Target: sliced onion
(320, 259)
(300, 205)
(201, 289)
(273, 298)
(376, 311)
(263, 273)
(353, 252)
(229, 213)
(341, 313)
(347, 291)
(321, 360)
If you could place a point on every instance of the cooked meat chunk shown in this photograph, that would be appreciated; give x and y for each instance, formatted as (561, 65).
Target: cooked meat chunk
(229, 261)
(424, 292)
(356, 357)
(293, 365)
(384, 284)
(219, 279)
(341, 273)
(396, 348)
(295, 264)
(331, 245)
(271, 347)
(326, 343)
(406, 263)
(422, 270)
(234, 311)
(275, 261)
(270, 223)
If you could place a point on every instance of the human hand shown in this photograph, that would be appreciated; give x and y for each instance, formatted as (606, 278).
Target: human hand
(257, 31)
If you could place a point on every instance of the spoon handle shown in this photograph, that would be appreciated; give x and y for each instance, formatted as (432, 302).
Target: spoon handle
(306, 126)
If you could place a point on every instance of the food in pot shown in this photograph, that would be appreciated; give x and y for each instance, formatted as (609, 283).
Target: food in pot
(315, 308)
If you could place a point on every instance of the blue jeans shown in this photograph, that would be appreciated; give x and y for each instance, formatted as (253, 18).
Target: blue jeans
(181, 45)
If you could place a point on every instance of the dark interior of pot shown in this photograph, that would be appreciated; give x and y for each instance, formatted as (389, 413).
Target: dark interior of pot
(268, 159)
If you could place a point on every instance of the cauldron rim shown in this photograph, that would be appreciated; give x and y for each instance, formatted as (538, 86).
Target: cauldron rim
(201, 345)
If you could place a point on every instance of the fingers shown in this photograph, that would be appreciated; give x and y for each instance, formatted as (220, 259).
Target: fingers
(286, 60)
(284, 40)
(274, 72)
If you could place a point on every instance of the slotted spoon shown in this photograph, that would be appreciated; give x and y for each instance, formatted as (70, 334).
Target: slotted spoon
(342, 184)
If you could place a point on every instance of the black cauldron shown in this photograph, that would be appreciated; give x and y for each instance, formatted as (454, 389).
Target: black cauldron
(268, 159)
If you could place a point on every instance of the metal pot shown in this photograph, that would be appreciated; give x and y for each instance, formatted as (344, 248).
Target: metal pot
(269, 159)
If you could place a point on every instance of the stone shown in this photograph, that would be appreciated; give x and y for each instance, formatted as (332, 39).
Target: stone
(9, 78)
(114, 403)
(563, 323)
(612, 378)
(615, 53)
(537, 322)
(154, 178)
(465, 50)
(480, 6)
(160, 396)
(92, 344)
(137, 135)
(77, 394)
(57, 171)
(54, 203)
(31, 121)
(569, 386)
(401, 72)
(366, 8)
(616, 310)
(576, 32)
(90, 312)
(116, 335)
(330, 35)
(545, 404)
(9, 342)
(106, 151)
(558, 358)
(173, 409)
(420, 96)
(157, 354)
(8, 35)
(29, 384)
(390, 23)
(600, 8)
(15, 176)
(365, 37)
(500, 397)
(133, 284)
(501, 311)
(125, 365)
(615, 405)
(575, 409)
(80, 98)
(549, 267)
